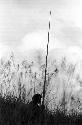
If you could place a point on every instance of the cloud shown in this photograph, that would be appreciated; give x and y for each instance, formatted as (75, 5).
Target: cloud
(71, 36)
(39, 40)
(15, 22)
(57, 48)
(4, 50)
(73, 33)
(19, 18)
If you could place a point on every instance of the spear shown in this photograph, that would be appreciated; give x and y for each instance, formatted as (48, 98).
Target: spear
(46, 63)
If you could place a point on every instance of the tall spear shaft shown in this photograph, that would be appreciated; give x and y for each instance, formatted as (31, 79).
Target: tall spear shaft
(46, 62)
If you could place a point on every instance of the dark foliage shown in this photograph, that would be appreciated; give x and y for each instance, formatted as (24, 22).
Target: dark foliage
(15, 112)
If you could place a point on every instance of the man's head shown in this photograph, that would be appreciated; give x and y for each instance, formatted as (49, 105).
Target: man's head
(37, 99)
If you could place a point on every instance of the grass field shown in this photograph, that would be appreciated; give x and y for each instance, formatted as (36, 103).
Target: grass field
(19, 82)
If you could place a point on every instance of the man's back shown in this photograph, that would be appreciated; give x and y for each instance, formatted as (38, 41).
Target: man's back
(34, 111)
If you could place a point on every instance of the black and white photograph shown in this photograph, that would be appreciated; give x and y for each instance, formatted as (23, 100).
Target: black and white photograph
(40, 62)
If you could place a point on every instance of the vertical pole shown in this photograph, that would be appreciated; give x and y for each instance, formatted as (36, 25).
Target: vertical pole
(46, 63)
(34, 84)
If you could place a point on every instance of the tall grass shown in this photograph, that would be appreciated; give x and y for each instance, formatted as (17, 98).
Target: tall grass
(20, 81)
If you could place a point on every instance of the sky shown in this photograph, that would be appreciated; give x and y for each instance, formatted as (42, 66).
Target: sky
(24, 25)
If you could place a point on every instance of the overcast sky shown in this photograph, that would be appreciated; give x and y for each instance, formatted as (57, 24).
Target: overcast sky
(24, 24)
